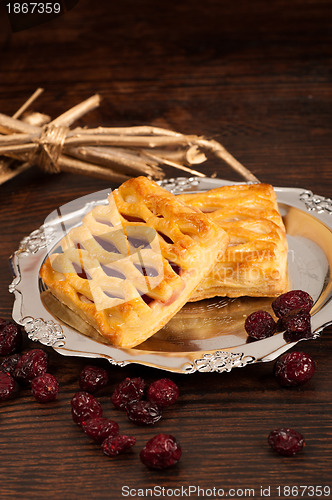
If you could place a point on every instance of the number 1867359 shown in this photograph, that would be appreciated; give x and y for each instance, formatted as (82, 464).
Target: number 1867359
(33, 8)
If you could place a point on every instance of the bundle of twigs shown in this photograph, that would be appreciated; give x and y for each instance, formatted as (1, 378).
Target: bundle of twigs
(113, 153)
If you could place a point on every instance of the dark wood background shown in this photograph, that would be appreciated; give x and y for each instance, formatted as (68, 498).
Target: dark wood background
(257, 77)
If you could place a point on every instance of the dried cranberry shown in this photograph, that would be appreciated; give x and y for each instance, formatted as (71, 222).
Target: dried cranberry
(294, 368)
(163, 392)
(10, 338)
(128, 391)
(9, 363)
(297, 324)
(84, 406)
(114, 445)
(45, 388)
(260, 325)
(286, 442)
(31, 364)
(161, 451)
(93, 378)
(295, 299)
(144, 413)
(99, 428)
(7, 386)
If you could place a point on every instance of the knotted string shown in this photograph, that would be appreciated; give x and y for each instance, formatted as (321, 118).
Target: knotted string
(50, 146)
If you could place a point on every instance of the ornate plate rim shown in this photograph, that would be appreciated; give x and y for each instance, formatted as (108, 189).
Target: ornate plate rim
(29, 311)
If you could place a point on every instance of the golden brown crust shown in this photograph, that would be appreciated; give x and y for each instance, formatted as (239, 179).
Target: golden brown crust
(133, 263)
(255, 263)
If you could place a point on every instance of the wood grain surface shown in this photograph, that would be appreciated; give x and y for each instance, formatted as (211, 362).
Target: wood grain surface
(257, 77)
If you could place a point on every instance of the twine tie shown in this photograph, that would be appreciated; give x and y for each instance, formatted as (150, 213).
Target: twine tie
(50, 146)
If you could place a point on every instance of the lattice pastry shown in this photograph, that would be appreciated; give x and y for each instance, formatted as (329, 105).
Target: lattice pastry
(255, 262)
(134, 262)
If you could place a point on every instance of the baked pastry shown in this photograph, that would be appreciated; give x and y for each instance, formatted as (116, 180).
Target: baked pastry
(255, 262)
(134, 262)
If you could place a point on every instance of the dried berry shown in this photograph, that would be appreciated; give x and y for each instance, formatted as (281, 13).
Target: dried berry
(45, 388)
(128, 391)
(297, 324)
(93, 378)
(114, 445)
(164, 392)
(295, 299)
(10, 338)
(143, 413)
(286, 442)
(260, 325)
(99, 428)
(7, 386)
(9, 363)
(85, 406)
(31, 364)
(160, 452)
(294, 368)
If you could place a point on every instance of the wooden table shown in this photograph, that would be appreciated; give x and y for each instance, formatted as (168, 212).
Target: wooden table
(253, 75)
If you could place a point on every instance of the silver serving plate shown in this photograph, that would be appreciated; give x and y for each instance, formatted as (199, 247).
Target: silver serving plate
(204, 336)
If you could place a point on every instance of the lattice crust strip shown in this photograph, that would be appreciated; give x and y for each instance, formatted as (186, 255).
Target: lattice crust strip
(255, 262)
(133, 263)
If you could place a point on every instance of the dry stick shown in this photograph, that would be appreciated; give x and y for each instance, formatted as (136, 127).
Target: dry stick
(136, 141)
(76, 112)
(218, 150)
(190, 156)
(131, 162)
(81, 167)
(27, 103)
(17, 139)
(5, 172)
(17, 149)
(135, 130)
(174, 164)
(10, 125)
